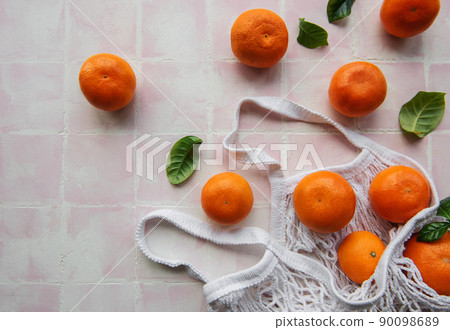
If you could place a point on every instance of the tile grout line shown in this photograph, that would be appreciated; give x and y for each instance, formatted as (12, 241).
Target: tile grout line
(430, 155)
(209, 50)
(223, 132)
(156, 60)
(353, 41)
(283, 80)
(429, 148)
(123, 205)
(62, 211)
(138, 107)
(210, 104)
(106, 282)
(111, 282)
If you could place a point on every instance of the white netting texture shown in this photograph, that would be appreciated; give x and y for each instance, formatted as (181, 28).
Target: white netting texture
(289, 290)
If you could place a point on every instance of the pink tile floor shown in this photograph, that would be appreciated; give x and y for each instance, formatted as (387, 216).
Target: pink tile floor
(69, 208)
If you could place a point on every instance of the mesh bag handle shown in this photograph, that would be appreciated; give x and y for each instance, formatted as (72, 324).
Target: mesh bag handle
(244, 236)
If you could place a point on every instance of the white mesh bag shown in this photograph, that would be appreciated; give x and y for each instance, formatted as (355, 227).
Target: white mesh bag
(299, 270)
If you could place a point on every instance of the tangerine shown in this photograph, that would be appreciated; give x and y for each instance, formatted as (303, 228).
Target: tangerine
(398, 193)
(407, 18)
(357, 89)
(324, 201)
(359, 254)
(107, 81)
(433, 261)
(259, 38)
(227, 198)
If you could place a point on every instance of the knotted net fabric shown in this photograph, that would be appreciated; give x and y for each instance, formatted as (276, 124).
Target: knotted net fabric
(299, 270)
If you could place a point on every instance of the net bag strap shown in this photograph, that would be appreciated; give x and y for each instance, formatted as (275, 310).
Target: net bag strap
(194, 227)
(293, 111)
(244, 236)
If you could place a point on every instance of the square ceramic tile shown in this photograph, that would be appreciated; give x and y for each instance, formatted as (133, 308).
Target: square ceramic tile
(404, 80)
(99, 242)
(215, 159)
(372, 42)
(147, 270)
(174, 97)
(229, 260)
(153, 186)
(178, 30)
(98, 297)
(222, 15)
(30, 244)
(234, 81)
(439, 81)
(405, 144)
(95, 170)
(101, 27)
(170, 297)
(257, 174)
(269, 142)
(339, 33)
(32, 30)
(307, 85)
(82, 117)
(440, 160)
(194, 211)
(319, 151)
(29, 298)
(30, 168)
(164, 240)
(32, 98)
(204, 255)
(436, 37)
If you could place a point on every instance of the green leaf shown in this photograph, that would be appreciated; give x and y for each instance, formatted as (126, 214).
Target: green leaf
(311, 35)
(338, 9)
(444, 208)
(422, 113)
(182, 160)
(433, 231)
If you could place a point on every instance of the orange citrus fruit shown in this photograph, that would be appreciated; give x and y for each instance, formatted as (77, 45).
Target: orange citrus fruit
(359, 254)
(107, 81)
(407, 18)
(357, 89)
(227, 198)
(259, 38)
(324, 201)
(398, 193)
(433, 261)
